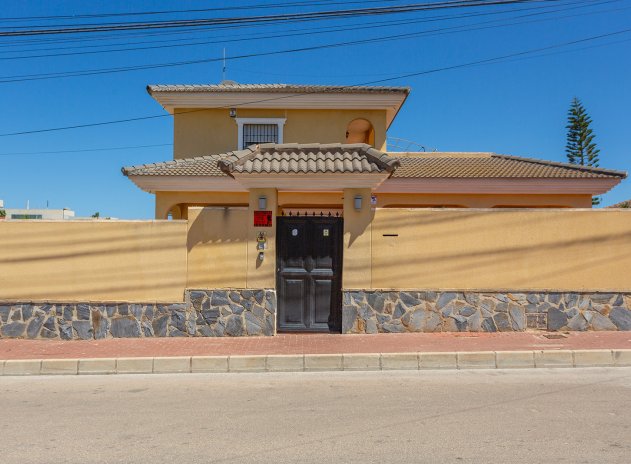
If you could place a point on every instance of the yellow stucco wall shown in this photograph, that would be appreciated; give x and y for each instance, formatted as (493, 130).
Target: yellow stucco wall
(179, 202)
(140, 261)
(357, 252)
(500, 249)
(217, 247)
(262, 274)
(166, 201)
(222, 246)
(203, 132)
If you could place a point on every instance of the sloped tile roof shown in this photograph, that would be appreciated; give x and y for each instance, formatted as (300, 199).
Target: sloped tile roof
(623, 204)
(230, 86)
(491, 165)
(355, 158)
(198, 166)
(294, 158)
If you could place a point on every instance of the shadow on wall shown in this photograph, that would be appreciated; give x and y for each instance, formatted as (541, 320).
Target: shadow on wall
(127, 261)
(217, 247)
(500, 249)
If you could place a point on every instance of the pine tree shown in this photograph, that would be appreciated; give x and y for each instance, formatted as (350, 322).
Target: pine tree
(581, 148)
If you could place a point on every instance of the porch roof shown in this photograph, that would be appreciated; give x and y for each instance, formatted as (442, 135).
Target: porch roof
(313, 158)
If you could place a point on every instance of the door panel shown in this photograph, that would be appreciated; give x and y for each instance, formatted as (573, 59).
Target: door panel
(295, 238)
(322, 304)
(294, 289)
(309, 274)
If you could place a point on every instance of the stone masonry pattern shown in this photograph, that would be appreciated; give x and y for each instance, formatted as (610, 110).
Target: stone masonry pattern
(206, 313)
(429, 311)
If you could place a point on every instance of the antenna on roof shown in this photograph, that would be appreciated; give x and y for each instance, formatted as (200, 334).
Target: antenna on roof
(223, 70)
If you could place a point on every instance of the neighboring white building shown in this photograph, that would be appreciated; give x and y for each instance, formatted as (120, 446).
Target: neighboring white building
(28, 213)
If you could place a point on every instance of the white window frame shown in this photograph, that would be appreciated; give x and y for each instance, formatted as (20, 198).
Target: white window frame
(280, 122)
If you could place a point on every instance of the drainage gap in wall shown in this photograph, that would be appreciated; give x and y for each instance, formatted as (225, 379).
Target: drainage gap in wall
(555, 336)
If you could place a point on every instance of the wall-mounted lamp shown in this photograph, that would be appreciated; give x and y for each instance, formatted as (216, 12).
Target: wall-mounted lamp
(358, 202)
(262, 203)
(233, 112)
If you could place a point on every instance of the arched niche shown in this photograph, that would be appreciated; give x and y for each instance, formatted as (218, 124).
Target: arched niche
(360, 131)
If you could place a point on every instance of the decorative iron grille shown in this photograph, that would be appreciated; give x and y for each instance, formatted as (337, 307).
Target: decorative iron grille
(259, 133)
(312, 212)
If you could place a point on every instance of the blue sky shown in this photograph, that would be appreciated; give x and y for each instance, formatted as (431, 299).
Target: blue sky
(516, 106)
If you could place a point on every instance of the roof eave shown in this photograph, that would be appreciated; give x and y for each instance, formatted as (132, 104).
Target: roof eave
(485, 185)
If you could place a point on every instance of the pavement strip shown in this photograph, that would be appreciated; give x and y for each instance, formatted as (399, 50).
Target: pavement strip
(320, 362)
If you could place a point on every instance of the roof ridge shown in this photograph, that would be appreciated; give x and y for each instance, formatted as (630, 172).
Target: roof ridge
(577, 167)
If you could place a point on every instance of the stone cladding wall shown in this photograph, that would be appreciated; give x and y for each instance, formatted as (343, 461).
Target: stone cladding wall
(375, 311)
(206, 313)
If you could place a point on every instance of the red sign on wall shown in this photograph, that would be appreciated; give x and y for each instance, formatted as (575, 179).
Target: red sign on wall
(262, 219)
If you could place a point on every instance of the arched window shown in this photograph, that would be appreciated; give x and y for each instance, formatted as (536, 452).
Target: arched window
(360, 131)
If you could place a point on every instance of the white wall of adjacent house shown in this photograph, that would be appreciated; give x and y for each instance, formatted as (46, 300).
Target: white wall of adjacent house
(44, 214)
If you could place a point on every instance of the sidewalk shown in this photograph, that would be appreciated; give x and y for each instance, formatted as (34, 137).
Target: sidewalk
(317, 352)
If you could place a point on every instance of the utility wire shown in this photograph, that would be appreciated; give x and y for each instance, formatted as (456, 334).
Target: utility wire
(85, 150)
(198, 10)
(373, 82)
(127, 35)
(170, 144)
(302, 32)
(268, 19)
(373, 24)
(91, 72)
(336, 28)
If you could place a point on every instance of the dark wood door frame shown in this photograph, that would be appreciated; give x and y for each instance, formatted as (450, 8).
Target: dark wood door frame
(309, 273)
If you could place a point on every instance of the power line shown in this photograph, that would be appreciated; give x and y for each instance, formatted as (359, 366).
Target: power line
(268, 19)
(302, 32)
(157, 32)
(372, 24)
(198, 10)
(91, 72)
(495, 59)
(85, 150)
(170, 144)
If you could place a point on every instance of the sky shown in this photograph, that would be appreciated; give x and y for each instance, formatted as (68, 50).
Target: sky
(515, 106)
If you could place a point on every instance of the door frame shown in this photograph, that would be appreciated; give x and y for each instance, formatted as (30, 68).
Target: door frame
(335, 314)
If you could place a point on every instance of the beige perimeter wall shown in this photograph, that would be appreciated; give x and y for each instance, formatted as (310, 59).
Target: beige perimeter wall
(141, 261)
(505, 249)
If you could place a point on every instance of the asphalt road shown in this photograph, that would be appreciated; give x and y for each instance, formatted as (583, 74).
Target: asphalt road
(494, 416)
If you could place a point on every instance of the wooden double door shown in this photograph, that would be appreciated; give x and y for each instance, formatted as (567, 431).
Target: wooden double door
(309, 273)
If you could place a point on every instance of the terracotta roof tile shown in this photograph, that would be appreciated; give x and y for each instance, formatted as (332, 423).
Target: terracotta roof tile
(198, 166)
(360, 158)
(490, 165)
(294, 158)
(230, 86)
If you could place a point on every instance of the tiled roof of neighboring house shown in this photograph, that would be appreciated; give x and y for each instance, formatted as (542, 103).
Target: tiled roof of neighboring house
(293, 158)
(230, 86)
(491, 165)
(356, 158)
(622, 204)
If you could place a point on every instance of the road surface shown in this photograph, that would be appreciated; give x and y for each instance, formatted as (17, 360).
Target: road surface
(484, 416)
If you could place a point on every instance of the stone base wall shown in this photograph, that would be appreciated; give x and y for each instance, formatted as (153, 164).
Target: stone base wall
(206, 313)
(234, 312)
(374, 311)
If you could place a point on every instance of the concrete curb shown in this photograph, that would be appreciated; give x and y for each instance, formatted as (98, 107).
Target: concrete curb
(320, 362)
